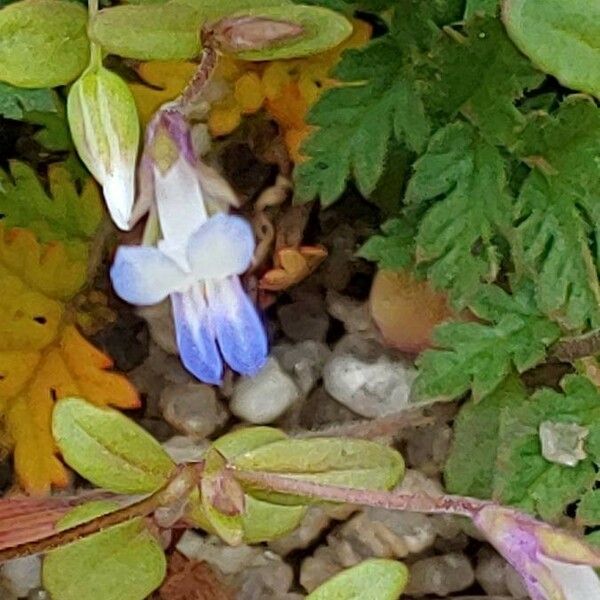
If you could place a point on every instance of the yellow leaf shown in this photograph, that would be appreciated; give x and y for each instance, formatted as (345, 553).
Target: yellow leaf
(69, 367)
(42, 355)
(165, 79)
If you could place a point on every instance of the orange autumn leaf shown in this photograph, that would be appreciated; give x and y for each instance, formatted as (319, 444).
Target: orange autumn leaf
(292, 265)
(69, 367)
(42, 355)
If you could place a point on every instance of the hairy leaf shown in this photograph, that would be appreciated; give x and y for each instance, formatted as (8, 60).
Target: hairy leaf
(463, 178)
(124, 561)
(470, 466)
(357, 120)
(480, 356)
(43, 43)
(588, 510)
(109, 449)
(523, 475)
(559, 37)
(373, 579)
(559, 213)
(61, 213)
(485, 93)
(395, 248)
(16, 102)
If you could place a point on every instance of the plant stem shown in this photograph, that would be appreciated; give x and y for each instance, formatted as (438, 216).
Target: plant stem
(395, 500)
(194, 88)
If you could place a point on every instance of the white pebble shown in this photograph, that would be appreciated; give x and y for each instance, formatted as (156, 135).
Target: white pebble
(21, 575)
(264, 397)
(193, 409)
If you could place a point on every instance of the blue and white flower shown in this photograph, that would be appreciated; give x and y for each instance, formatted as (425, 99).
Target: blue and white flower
(197, 262)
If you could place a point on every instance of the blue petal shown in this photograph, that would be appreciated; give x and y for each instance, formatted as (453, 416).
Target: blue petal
(240, 333)
(195, 337)
(223, 246)
(144, 275)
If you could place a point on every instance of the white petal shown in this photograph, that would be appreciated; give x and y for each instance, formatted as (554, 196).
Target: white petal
(223, 246)
(144, 275)
(180, 202)
(578, 582)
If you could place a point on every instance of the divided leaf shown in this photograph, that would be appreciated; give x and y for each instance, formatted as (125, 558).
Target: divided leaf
(373, 579)
(43, 43)
(498, 453)
(16, 102)
(558, 232)
(485, 92)
(470, 466)
(377, 100)
(124, 561)
(108, 449)
(395, 248)
(61, 213)
(523, 476)
(461, 177)
(480, 356)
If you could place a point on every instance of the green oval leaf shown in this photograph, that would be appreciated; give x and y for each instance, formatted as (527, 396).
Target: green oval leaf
(322, 29)
(87, 512)
(122, 562)
(264, 521)
(560, 37)
(374, 579)
(148, 32)
(209, 9)
(43, 43)
(109, 449)
(241, 441)
(351, 463)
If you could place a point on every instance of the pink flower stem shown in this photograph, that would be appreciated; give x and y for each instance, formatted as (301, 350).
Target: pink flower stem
(395, 500)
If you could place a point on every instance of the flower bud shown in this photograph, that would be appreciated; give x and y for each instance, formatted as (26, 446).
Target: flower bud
(105, 129)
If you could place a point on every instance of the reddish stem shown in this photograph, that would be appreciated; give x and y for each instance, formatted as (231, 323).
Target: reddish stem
(396, 500)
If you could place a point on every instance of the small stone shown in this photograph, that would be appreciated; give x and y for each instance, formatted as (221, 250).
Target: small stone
(304, 319)
(183, 449)
(440, 575)
(314, 522)
(353, 314)
(21, 575)
(562, 443)
(428, 447)
(193, 409)
(303, 361)
(266, 396)
(268, 577)
(318, 568)
(370, 387)
(160, 323)
(321, 410)
(491, 572)
(229, 560)
(38, 594)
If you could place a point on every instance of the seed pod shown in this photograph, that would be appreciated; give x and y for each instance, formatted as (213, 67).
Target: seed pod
(105, 129)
